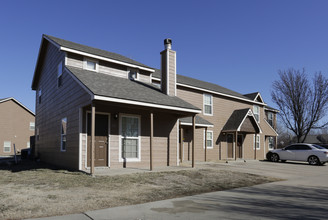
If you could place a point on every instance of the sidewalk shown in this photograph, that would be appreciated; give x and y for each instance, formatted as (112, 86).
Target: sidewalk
(302, 196)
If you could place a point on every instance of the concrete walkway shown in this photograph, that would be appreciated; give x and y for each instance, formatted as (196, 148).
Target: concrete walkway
(304, 195)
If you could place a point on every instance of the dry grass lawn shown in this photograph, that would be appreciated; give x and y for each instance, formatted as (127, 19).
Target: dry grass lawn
(35, 190)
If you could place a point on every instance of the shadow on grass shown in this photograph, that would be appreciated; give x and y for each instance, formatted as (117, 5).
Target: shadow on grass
(10, 164)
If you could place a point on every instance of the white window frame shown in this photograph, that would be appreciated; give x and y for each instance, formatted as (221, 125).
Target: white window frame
(85, 66)
(204, 104)
(62, 135)
(259, 141)
(28, 145)
(270, 138)
(256, 112)
(134, 70)
(4, 146)
(32, 126)
(208, 147)
(139, 139)
(60, 74)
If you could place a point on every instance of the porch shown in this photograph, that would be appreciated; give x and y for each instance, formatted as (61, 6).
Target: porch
(115, 135)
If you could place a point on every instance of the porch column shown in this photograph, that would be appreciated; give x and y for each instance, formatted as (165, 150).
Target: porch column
(181, 143)
(236, 139)
(276, 143)
(92, 153)
(193, 141)
(151, 139)
(205, 142)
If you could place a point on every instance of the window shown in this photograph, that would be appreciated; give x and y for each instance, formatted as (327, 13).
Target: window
(90, 64)
(304, 147)
(39, 95)
(270, 118)
(292, 147)
(256, 111)
(130, 138)
(63, 134)
(7, 146)
(271, 143)
(208, 104)
(32, 126)
(209, 139)
(257, 141)
(60, 74)
(133, 74)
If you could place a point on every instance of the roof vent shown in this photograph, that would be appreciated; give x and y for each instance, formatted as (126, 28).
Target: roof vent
(167, 43)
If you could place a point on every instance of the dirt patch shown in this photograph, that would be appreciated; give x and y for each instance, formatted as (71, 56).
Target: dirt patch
(35, 190)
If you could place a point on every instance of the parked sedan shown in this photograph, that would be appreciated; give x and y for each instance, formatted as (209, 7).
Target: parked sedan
(313, 154)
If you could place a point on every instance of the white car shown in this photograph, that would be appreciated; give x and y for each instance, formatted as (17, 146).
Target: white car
(313, 154)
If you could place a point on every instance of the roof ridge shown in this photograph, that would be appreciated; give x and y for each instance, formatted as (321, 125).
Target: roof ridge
(127, 59)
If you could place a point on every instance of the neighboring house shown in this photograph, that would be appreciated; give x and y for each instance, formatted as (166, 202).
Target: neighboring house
(133, 115)
(16, 126)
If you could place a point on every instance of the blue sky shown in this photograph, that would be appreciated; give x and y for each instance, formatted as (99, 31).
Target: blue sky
(237, 44)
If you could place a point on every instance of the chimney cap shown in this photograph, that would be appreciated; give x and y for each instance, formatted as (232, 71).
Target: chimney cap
(167, 41)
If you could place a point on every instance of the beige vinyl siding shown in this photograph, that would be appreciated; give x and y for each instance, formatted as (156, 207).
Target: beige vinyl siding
(164, 143)
(223, 107)
(74, 60)
(113, 69)
(106, 67)
(144, 76)
(172, 74)
(58, 103)
(14, 126)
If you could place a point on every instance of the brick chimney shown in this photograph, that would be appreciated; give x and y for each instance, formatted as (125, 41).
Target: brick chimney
(168, 69)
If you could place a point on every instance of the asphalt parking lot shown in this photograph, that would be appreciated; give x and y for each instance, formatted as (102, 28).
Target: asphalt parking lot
(303, 194)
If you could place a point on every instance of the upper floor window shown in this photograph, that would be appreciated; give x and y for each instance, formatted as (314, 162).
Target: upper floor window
(32, 126)
(270, 118)
(63, 134)
(133, 74)
(90, 64)
(60, 74)
(208, 104)
(256, 111)
(40, 95)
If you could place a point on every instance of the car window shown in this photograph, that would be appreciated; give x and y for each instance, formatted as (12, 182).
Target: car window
(293, 147)
(304, 147)
(317, 146)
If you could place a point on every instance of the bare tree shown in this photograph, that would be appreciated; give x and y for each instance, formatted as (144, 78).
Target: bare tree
(302, 105)
(284, 137)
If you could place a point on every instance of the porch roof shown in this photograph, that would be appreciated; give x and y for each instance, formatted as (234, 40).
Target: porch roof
(199, 122)
(121, 90)
(242, 120)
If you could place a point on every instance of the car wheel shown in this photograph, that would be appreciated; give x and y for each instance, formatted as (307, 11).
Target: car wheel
(314, 160)
(274, 157)
(268, 156)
